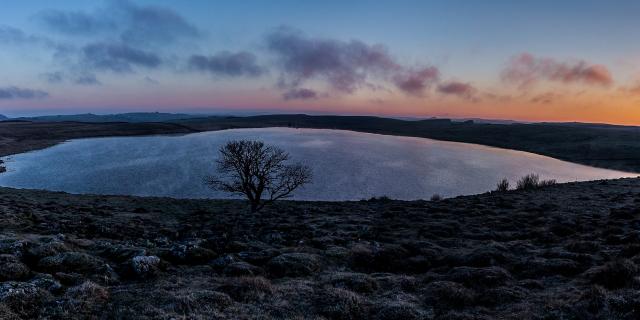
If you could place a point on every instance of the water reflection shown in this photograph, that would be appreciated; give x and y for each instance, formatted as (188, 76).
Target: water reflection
(347, 165)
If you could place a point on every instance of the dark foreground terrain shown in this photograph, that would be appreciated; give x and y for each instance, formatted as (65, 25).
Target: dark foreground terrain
(568, 251)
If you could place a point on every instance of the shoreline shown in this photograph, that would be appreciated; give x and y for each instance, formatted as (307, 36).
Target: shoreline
(608, 147)
(44, 144)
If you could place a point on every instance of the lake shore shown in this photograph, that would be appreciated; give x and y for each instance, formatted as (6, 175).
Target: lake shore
(564, 251)
(598, 145)
(348, 165)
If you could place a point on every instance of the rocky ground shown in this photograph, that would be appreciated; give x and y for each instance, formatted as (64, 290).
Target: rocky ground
(567, 251)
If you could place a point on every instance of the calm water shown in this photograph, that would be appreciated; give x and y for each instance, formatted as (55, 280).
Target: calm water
(347, 165)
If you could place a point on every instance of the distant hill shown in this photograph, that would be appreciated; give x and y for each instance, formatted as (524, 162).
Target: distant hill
(3, 117)
(134, 117)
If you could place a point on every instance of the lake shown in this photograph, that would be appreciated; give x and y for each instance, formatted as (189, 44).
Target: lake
(346, 165)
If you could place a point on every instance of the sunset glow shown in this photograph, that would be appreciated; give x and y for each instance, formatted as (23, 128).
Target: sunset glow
(536, 61)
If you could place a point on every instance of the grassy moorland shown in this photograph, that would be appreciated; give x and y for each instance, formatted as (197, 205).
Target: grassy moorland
(569, 251)
(606, 146)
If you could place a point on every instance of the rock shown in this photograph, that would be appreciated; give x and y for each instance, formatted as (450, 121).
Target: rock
(122, 253)
(222, 261)
(273, 238)
(189, 254)
(23, 297)
(72, 262)
(43, 250)
(293, 265)
(145, 265)
(46, 282)
(242, 269)
(10, 289)
(12, 269)
(13, 246)
(358, 282)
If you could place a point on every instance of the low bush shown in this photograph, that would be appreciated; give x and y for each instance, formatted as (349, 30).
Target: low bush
(503, 185)
(532, 181)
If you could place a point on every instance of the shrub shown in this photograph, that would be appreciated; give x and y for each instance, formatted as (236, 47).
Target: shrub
(546, 183)
(528, 182)
(503, 185)
(380, 199)
(532, 181)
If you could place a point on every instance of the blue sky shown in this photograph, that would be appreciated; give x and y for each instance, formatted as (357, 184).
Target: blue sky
(469, 46)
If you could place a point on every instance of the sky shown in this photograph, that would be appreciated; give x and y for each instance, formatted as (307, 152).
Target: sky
(520, 60)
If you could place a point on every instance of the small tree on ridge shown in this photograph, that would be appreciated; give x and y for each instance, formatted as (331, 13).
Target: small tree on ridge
(258, 172)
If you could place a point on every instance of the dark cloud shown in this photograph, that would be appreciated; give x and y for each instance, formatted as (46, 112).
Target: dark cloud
(460, 89)
(345, 66)
(53, 77)
(301, 93)
(76, 23)
(124, 37)
(14, 36)
(21, 93)
(82, 79)
(415, 82)
(154, 24)
(227, 64)
(133, 24)
(544, 98)
(117, 57)
(525, 69)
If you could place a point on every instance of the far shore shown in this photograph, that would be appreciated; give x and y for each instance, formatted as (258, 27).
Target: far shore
(603, 146)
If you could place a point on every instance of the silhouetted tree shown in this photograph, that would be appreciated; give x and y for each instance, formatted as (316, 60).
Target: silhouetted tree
(258, 172)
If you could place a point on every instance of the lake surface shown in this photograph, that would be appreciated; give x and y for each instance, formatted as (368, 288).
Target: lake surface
(346, 165)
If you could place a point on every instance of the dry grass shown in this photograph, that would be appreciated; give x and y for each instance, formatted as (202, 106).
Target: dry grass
(567, 252)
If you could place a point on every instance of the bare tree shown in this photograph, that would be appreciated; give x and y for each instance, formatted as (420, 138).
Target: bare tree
(258, 172)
